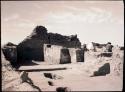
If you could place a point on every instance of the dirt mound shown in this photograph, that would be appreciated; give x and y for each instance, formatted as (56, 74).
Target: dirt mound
(8, 74)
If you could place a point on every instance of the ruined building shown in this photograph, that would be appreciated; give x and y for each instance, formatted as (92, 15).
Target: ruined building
(33, 47)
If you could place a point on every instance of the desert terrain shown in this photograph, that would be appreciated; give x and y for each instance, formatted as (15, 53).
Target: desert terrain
(77, 76)
(62, 46)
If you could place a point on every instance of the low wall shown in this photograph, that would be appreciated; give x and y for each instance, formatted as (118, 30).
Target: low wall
(52, 54)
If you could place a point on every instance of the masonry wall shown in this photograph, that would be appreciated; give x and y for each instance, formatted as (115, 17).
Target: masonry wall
(31, 48)
(52, 54)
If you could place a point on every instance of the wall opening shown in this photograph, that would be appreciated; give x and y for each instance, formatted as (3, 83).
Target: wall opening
(65, 56)
(49, 46)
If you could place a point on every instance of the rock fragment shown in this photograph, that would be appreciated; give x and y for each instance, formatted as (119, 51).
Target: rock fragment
(63, 89)
(50, 83)
(52, 76)
(103, 70)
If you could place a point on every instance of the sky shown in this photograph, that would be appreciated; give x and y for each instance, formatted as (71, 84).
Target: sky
(92, 21)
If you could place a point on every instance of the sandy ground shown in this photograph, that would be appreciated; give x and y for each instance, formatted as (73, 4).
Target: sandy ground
(76, 77)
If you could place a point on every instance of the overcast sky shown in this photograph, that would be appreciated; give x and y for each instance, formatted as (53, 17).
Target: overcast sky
(92, 21)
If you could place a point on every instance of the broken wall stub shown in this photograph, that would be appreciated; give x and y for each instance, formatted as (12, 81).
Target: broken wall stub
(52, 53)
(32, 48)
(10, 52)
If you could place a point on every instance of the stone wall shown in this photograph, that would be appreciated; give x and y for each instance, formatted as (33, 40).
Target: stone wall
(31, 48)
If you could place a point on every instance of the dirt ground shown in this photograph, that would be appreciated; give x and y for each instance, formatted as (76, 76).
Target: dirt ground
(77, 76)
